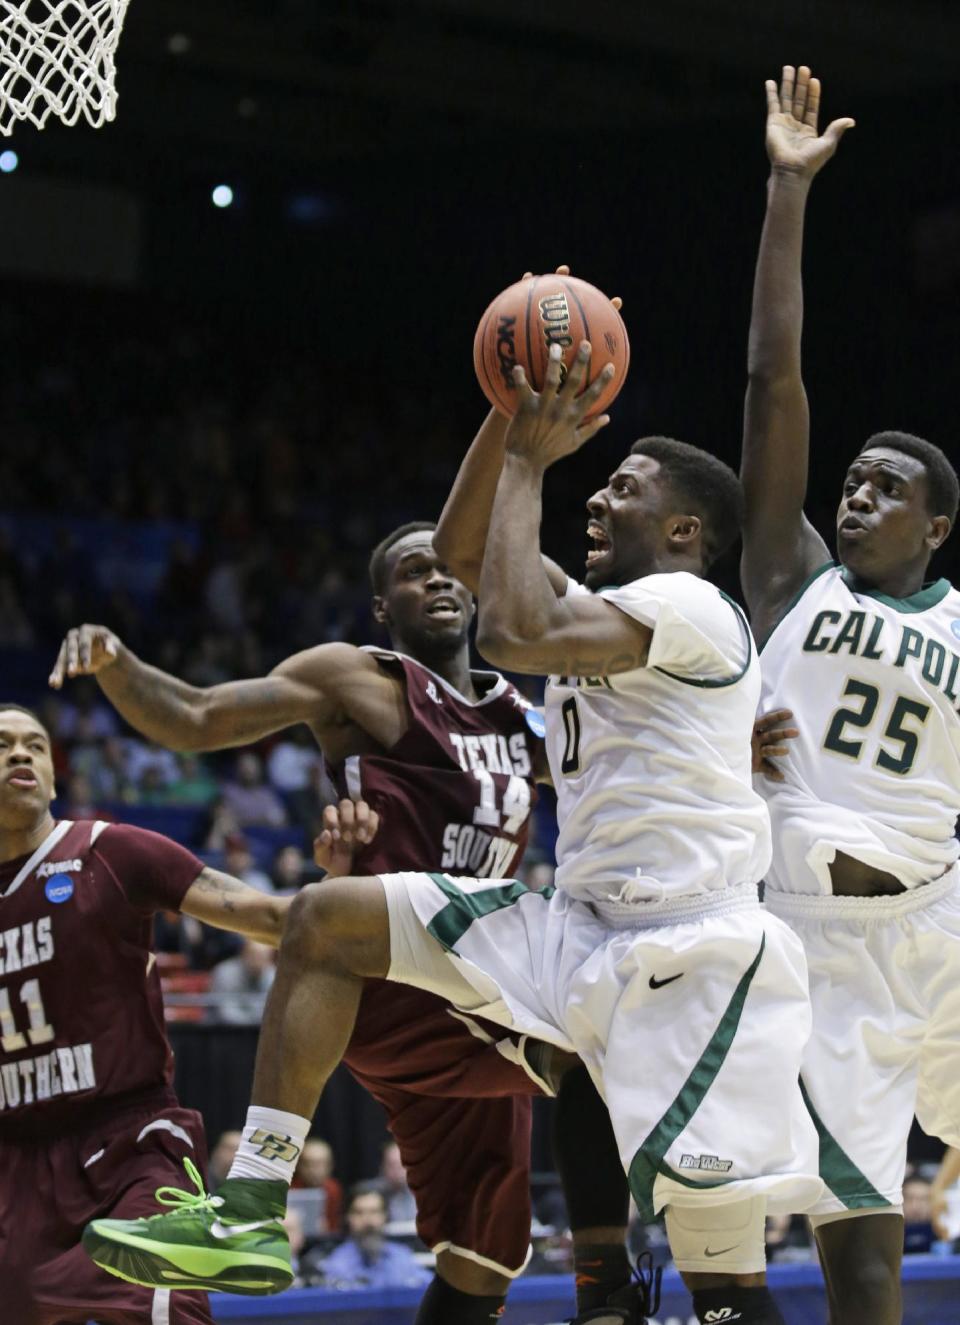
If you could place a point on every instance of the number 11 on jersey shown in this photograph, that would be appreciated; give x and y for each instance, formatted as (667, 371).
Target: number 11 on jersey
(38, 1032)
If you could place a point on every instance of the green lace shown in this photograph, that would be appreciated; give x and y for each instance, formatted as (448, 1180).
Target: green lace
(181, 1200)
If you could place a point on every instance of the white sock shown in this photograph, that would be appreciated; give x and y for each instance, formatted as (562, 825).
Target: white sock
(271, 1145)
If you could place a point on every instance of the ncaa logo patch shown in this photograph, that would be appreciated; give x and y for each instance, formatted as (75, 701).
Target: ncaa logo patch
(58, 889)
(955, 628)
(535, 721)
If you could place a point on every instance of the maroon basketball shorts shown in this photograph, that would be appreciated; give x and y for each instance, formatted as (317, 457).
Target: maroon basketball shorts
(459, 1106)
(50, 1189)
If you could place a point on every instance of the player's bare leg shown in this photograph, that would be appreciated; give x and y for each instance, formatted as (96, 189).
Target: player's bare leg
(337, 934)
(861, 1259)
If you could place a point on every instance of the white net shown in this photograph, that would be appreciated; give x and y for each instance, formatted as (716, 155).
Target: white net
(57, 59)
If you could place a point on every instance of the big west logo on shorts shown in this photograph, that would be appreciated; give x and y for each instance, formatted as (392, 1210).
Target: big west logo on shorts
(706, 1163)
(274, 1145)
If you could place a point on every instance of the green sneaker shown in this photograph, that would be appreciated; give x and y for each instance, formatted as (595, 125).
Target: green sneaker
(231, 1243)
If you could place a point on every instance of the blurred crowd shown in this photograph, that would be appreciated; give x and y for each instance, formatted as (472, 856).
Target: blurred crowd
(216, 509)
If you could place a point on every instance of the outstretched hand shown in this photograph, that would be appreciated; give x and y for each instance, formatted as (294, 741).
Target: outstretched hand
(793, 111)
(346, 827)
(552, 423)
(564, 270)
(85, 651)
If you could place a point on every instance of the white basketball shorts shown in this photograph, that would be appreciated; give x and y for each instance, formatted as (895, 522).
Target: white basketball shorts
(692, 1027)
(885, 991)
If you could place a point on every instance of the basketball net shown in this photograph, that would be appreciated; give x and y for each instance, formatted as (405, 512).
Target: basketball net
(56, 58)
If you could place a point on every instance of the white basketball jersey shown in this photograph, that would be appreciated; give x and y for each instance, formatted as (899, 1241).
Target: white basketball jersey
(652, 766)
(874, 685)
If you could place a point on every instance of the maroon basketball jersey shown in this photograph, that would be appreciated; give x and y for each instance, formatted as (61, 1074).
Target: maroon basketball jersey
(456, 791)
(81, 1013)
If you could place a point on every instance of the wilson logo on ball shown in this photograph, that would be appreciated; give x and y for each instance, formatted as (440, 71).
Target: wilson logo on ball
(507, 350)
(555, 318)
(525, 321)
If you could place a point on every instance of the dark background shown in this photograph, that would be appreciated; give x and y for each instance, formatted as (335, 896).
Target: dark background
(395, 164)
(277, 384)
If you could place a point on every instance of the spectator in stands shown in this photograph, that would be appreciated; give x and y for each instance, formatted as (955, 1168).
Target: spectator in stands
(307, 1258)
(238, 860)
(320, 1195)
(293, 769)
(194, 784)
(918, 1234)
(147, 763)
(222, 1156)
(86, 718)
(222, 826)
(80, 802)
(291, 870)
(207, 665)
(249, 797)
(240, 985)
(202, 946)
(392, 1183)
(293, 760)
(366, 1258)
(105, 767)
(152, 789)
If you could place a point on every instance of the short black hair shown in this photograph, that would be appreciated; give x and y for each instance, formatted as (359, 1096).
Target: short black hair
(20, 708)
(710, 489)
(943, 488)
(368, 1188)
(378, 559)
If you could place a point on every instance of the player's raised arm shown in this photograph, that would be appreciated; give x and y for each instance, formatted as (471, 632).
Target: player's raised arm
(523, 625)
(780, 547)
(308, 687)
(461, 533)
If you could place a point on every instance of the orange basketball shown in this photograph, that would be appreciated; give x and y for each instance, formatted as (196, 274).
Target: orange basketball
(527, 318)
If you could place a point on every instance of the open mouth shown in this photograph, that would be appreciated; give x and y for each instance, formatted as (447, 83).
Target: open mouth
(602, 543)
(852, 529)
(444, 608)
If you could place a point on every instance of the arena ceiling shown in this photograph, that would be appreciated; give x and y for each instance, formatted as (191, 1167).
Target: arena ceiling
(313, 81)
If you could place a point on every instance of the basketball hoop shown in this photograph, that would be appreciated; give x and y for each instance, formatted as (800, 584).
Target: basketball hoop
(56, 58)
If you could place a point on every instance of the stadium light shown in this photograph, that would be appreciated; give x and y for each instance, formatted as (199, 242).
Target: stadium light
(8, 162)
(222, 195)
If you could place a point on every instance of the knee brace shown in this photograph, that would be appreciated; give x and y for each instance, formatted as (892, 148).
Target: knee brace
(718, 1239)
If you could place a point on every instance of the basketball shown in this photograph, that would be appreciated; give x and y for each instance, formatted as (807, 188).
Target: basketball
(527, 318)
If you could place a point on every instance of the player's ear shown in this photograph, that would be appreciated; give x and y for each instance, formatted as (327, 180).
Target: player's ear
(379, 608)
(684, 529)
(938, 530)
(473, 608)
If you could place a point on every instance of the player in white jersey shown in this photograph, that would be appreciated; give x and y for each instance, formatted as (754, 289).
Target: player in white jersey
(864, 853)
(652, 958)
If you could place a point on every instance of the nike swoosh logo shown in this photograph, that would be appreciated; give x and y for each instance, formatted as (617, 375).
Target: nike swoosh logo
(233, 1230)
(658, 984)
(722, 1252)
